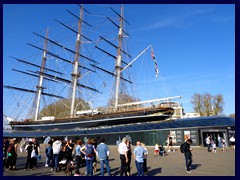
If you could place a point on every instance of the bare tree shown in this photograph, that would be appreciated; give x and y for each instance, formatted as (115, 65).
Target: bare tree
(61, 108)
(218, 104)
(232, 116)
(207, 105)
(197, 103)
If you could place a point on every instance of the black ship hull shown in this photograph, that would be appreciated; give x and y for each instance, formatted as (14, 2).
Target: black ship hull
(91, 121)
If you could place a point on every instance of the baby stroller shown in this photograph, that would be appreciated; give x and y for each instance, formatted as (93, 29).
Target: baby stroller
(62, 164)
(162, 151)
(70, 167)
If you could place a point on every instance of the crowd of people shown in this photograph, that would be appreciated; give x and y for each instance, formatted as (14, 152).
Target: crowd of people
(212, 144)
(68, 156)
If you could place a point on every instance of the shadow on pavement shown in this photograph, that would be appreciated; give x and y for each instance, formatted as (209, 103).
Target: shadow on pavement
(195, 166)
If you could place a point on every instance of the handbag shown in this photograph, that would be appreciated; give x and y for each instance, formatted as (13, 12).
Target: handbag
(39, 157)
(33, 154)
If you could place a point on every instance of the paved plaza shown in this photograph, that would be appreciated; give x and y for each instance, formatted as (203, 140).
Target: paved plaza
(204, 164)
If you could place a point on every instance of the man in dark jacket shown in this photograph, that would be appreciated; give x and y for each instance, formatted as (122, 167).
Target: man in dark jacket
(188, 155)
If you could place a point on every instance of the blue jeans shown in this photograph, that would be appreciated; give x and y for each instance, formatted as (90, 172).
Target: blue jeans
(139, 166)
(55, 161)
(102, 162)
(89, 167)
(219, 144)
(188, 159)
(48, 158)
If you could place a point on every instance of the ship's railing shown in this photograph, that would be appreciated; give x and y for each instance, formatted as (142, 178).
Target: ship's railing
(149, 101)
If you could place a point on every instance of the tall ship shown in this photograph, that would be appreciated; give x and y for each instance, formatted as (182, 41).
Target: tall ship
(72, 78)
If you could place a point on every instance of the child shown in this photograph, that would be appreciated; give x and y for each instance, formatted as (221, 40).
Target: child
(224, 149)
(214, 147)
(49, 154)
(156, 151)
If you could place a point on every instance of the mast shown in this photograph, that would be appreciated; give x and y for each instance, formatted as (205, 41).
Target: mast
(39, 87)
(118, 60)
(75, 73)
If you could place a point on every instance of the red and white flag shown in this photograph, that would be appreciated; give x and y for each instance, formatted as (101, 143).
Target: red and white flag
(155, 62)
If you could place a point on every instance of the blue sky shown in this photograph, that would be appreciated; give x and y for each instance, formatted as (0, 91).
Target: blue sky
(194, 45)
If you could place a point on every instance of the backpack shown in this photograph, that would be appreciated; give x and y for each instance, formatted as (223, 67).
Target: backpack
(89, 151)
(182, 147)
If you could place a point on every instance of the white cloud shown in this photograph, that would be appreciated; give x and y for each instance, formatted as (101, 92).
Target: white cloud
(179, 19)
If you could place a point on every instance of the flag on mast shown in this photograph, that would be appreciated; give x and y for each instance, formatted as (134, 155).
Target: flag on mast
(155, 62)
